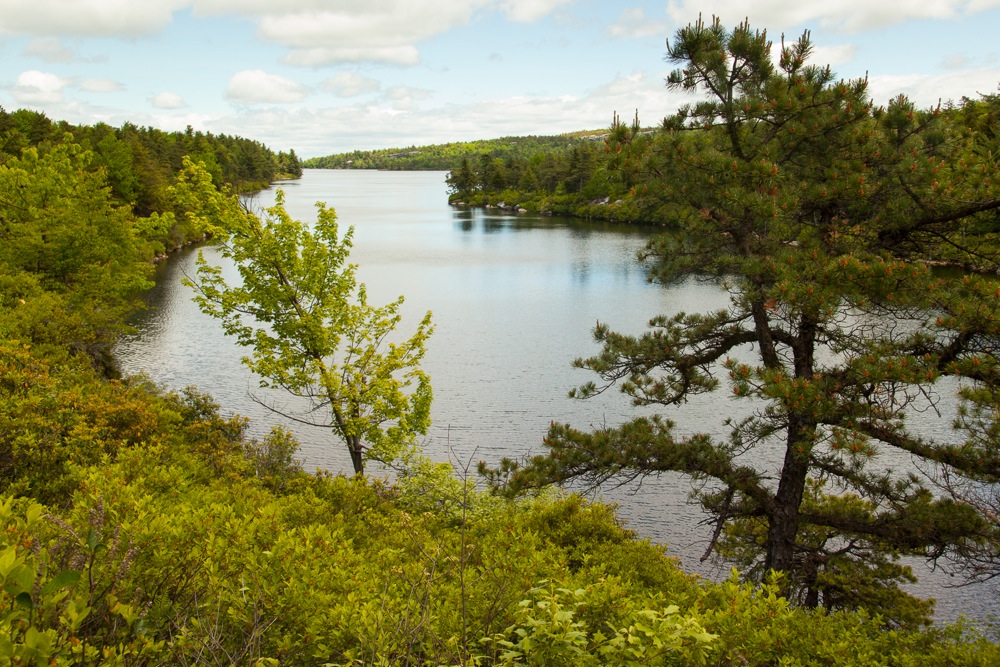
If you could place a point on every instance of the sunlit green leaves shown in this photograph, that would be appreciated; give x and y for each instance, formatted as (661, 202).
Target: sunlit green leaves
(308, 323)
(69, 261)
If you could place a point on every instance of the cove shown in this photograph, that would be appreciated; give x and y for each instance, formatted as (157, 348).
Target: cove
(514, 298)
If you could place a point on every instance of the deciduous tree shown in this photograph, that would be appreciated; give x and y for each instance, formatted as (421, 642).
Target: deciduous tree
(307, 321)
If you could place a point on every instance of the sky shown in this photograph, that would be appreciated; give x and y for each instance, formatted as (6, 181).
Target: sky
(330, 76)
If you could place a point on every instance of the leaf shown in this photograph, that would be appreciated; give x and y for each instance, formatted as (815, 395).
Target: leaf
(22, 578)
(8, 561)
(64, 579)
(32, 514)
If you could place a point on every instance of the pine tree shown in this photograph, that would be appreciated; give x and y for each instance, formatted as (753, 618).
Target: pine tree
(816, 207)
(462, 182)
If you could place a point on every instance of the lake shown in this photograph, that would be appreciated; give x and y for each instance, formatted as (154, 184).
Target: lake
(514, 298)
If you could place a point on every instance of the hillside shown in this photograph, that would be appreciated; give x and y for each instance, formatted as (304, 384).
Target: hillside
(443, 157)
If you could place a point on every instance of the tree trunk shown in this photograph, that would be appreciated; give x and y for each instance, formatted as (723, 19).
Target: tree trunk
(357, 457)
(784, 517)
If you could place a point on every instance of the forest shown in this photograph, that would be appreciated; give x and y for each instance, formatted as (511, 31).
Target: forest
(139, 162)
(142, 526)
(443, 157)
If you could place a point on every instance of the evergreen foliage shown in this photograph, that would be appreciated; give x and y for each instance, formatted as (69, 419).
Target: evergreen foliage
(617, 188)
(815, 207)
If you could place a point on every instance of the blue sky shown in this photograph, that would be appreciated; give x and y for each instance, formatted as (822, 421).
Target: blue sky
(326, 76)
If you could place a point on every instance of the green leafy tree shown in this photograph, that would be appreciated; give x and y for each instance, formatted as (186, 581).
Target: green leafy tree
(308, 322)
(816, 207)
(289, 165)
(70, 266)
(977, 483)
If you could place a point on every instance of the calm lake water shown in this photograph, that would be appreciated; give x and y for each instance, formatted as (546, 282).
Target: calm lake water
(514, 299)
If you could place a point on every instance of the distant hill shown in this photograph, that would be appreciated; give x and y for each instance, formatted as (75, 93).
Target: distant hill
(445, 157)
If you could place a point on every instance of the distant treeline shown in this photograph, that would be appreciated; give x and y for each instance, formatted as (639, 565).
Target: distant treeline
(139, 163)
(443, 157)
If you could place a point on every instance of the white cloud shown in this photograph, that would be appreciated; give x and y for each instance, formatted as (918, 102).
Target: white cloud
(429, 12)
(168, 121)
(167, 100)
(49, 49)
(631, 93)
(122, 18)
(101, 86)
(317, 32)
(330, 55)
(527, 11)
(841, 15)
(632, 23)
(955, 61)
(370, 113)
(927, 91)
(833, 55)
(377, 30)
(349, 84)
(322, 131)
(320, 33)
(258, 87)
(404, 98)
(34, 87)
(260, 7)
